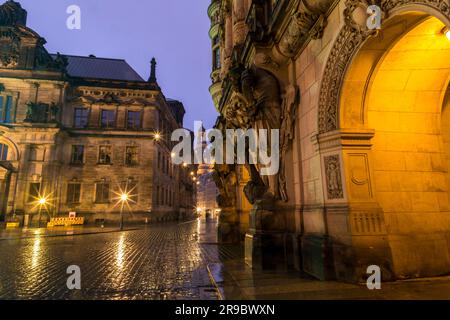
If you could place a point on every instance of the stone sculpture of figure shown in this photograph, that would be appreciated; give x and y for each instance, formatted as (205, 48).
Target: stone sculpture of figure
(225, 179)
(29, 115)
(334, 183)
(289, 113)
(262, 89)
(54, 109)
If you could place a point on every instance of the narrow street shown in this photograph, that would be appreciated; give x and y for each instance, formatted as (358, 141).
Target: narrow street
(167, 261)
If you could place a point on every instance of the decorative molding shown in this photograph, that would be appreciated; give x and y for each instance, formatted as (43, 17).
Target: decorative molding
(348, 42)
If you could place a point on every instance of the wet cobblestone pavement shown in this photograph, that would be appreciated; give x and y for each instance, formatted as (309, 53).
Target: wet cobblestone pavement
(160, 262)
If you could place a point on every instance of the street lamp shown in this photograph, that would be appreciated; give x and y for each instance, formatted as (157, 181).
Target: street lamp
(42, 202)
(123, 199)
(157, 136)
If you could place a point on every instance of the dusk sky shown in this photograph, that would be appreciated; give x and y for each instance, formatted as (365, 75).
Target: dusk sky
(175, 32)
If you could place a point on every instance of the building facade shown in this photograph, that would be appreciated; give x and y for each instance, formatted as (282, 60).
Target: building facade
(80, 132)
(207, 192)
(361, 98)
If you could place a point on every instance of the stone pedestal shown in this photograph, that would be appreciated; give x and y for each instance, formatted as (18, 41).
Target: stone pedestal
(267, 243)
(356, 239)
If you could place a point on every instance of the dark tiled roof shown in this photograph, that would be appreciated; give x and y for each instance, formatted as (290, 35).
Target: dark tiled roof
(100, 68)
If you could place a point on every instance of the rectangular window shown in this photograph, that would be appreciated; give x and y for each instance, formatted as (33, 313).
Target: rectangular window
(104, 156)
(6, 106)
(34, 192)
(73, 193)
(134, 120)
(77, 155)
(108, 119)
(81, 116)
(131, 156)
(102, 192)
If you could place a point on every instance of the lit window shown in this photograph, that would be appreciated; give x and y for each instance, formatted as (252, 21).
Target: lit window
(3, 152)
(73, 193)
(104, 156)
(134, 120)
(6, 112)
(108, 119)
(81, 118)
(102, 192)
(131, 156)
(77, 154)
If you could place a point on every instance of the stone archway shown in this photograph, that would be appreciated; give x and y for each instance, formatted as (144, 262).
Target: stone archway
(349, 43)
(381, 109)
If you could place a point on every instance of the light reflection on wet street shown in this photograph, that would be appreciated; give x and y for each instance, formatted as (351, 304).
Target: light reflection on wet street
(166, 261)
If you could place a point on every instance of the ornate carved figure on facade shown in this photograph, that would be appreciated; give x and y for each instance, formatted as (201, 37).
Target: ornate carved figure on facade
(54, 109)
(291, 101)
(333, 176)
(12, 13)
(225, 178)
(9, 50)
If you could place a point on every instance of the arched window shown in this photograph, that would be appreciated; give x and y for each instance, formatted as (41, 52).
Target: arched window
(3, 152)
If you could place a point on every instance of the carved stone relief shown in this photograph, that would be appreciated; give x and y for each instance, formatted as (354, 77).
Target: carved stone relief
(333, 176)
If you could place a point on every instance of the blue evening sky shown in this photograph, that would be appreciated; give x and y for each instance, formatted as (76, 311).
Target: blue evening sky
(175, 32)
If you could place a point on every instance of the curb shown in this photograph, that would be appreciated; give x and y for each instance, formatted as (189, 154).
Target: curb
(69, 235)
(214, 283)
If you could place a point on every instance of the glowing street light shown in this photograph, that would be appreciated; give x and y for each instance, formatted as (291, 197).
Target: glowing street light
(42, 202)
(157, 136)
(124, 196)
(124, 200)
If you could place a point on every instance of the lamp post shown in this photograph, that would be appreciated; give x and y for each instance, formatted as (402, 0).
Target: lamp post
(42, 202)
(123, 200)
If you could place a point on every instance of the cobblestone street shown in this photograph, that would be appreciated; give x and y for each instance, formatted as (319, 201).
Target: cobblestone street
(167, 261)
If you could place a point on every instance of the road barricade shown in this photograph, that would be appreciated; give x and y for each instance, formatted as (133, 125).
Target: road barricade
(10, 225)
(65, 222)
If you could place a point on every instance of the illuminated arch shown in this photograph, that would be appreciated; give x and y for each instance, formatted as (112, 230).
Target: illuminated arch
(348, 49)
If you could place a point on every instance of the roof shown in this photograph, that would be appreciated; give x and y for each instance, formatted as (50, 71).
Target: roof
(100, 68)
